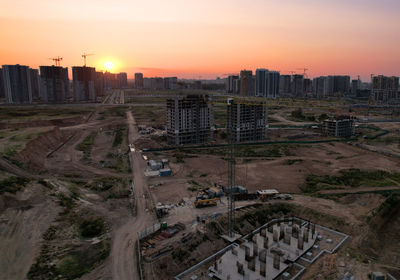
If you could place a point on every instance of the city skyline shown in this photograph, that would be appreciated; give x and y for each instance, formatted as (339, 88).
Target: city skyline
(206, 40)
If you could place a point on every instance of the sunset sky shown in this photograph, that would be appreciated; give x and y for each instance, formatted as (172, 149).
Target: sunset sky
(205, 38)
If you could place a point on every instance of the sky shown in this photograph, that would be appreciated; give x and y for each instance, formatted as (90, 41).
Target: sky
(205, 38)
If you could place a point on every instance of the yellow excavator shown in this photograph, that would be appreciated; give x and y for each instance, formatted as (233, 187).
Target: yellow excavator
(199, 203)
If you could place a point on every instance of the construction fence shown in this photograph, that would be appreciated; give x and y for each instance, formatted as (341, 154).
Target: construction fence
(148, 231)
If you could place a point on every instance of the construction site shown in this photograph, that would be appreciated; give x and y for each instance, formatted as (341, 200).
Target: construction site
(194, 208)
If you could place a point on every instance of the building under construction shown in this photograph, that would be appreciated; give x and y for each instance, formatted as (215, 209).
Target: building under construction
(247, 120)
(190, 120)
(267, 252)
(340, 126)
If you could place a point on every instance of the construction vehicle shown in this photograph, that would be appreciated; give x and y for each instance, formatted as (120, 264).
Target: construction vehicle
(200, 203)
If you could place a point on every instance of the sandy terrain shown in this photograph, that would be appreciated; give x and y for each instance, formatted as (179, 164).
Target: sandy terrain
(21, 229)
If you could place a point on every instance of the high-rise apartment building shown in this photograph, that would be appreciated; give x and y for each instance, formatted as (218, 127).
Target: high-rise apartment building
(190, 120)
(83, 81)
(384, 89)
(231, 83)
(122, 80)
(284, 84)
(17, 84)
(99, 84)
(355, 87)
(341, 84)
(246, 83)
(247, 121)
(35, 83)
(297, 86)
(170, 83)
(54, 84)
(320, 87)
(2, 94)
(139, 80)
(267, 83)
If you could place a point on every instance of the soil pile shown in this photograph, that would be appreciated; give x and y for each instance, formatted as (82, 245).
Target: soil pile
(36, 150)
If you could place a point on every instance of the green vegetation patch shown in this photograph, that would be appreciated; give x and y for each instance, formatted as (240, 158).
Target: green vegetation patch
(274, 150)
(350, 177)
(292, 161)
(13, 184)
(298, 115)
(86, 145)
(91, 227)
(120, 133)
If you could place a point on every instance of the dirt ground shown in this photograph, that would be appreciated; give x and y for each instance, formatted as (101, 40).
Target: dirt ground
(24, 217)
(268, 173)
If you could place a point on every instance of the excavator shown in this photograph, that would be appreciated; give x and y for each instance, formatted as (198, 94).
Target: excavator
(204, 199)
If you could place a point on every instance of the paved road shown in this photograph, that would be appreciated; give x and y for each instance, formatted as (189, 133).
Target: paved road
(124, 260)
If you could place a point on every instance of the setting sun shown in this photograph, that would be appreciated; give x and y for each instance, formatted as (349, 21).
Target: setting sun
(109, 65)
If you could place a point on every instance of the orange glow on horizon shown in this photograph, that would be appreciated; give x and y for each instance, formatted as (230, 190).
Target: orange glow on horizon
(191, 39)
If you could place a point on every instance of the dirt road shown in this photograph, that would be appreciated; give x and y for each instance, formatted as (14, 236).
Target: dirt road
(124, 260)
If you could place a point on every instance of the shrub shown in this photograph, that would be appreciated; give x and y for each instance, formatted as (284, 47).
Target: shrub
(91, 227)
(13, 184)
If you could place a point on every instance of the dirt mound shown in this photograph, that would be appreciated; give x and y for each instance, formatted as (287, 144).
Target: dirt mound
(382, 243)
(40, 123)
(36, 150)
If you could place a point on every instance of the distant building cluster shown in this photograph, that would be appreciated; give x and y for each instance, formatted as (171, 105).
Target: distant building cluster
(385, 89)
(264, 83)
(172, 83)
(271, 84)
(21, 84)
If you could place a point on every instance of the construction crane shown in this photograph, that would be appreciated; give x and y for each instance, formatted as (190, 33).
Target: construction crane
(304, 71)
(57, 60)
(84, 58)
(231, 174)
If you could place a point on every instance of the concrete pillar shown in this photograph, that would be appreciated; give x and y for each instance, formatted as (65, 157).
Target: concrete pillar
(287, 237)
(255, 249)
(216, 266)
(263, 256)
(300, 243)
(275, 236)
(263, 271)
(263, 232)
(240, 269)
(247, 253)
(266, 242)
(295, 231)
(234, 252)
(277, 261)
(306, 235)
(281, 231)
(252, 265)
(313, 230)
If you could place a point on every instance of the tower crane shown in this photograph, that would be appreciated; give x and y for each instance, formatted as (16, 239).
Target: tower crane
(304, 71)
(57, 60)
(84, 58)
